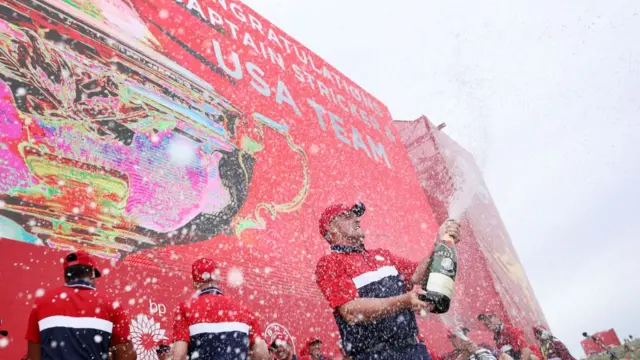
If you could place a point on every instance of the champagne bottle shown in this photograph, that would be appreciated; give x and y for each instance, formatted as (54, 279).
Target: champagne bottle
(440, 281)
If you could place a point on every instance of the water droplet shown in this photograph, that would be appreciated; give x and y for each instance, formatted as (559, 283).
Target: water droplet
(235, 277)
(181, 151)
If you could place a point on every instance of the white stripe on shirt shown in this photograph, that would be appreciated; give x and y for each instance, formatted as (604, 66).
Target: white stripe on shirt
(75, 323)
(221, 327)
(373, 276)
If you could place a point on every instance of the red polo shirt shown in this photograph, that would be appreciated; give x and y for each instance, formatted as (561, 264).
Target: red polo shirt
(213, 325)
(340, 274)
(349, 273)
(510, 340)
(77, 322)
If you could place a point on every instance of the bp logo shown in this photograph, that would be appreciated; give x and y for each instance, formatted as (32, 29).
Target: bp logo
(276, 331)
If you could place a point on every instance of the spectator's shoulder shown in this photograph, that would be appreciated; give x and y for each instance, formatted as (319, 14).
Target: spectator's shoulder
(326, 260)
(49, 294)
(190, 302)
(108, 301)
(328, 263)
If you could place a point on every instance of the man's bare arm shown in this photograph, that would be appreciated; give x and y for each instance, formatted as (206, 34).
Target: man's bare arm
(179, 350)
(364, 310)
(421, 272)
(34, 351)
(123, 352)
(259, 350)
(505, 356)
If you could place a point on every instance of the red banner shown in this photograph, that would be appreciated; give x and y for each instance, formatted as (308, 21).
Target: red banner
(151, 133)
(608, 338)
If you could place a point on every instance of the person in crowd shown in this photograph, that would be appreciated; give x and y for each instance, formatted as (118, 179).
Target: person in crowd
(313, 350)
(550, 347)
(466, 349)
(370, 290)
(282, 349)
(508, 339)
(77, 322)
(628, 347)
(211, 326)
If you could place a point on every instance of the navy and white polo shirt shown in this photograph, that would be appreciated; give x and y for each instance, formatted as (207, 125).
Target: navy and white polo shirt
(349, 273)
(215, 326)
(77, 322)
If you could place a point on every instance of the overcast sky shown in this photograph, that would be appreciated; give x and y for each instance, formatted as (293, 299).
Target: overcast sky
(546, 94)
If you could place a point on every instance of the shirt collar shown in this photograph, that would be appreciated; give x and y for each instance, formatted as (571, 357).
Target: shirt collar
(80, 284)
(210, 290)
(345, 249)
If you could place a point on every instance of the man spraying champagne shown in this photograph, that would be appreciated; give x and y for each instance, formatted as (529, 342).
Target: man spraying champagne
(370, 290)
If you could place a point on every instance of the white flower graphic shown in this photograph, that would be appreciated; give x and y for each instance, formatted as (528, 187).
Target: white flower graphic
(145, 334)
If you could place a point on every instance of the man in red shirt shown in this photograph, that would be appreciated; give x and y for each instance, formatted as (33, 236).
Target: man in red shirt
(508, 339)
(370, 290)
(550, 347)
(76, 322)
(312, 350)
(211, 326)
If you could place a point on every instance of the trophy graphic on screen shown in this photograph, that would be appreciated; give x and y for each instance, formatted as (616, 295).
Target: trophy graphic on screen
(112, 147)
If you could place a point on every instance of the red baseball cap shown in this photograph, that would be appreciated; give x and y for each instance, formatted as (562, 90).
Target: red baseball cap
(203, 270)
(332, 211)
(80, 257)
